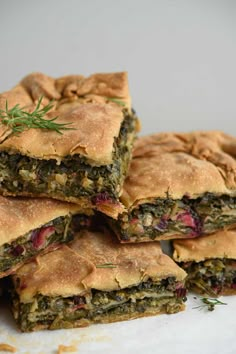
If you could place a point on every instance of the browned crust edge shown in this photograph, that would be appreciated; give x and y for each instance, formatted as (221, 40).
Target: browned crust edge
(48, 249)
(112, 210)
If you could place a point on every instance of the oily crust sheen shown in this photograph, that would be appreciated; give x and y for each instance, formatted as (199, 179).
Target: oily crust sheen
(221, 244)
(175, 164)
(83, 102)
(74, 268)
(21, 215)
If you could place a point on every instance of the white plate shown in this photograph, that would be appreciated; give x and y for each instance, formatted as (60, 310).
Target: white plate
(193, 331)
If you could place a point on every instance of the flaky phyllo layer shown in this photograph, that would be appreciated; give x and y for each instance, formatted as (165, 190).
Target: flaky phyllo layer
(74, 177)
(97, 307)
(29, 226)
(95, 279)
(179, 185)
(88, 161)
(168, 218)
(17, 252)
(210, 262)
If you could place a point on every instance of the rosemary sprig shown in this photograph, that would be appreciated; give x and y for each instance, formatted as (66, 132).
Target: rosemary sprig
(209, 303)
(116, 100)
(106, 265)
(18, 120)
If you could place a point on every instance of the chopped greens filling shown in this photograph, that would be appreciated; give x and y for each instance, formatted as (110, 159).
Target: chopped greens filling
(57, 231)
(212, 276)
(59, 312)
(190, 217)
(74, 176)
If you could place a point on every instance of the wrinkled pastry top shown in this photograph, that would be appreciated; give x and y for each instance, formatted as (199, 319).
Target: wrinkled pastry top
(83, 102)
(18, 216)
(72, 269)
(221, 244)
(174, 164)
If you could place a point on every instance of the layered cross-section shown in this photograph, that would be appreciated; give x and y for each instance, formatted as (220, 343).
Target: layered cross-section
(32, 226)
(179, 186)
(210, 262)
(88, 161)
(95, 279)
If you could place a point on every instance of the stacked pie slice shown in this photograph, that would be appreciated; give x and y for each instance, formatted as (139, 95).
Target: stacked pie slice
(182, 187)
(210, 262)
(87, 161)
(62, 169)
(29, 226)
(179, 186)
(80, 221)
(95, 279)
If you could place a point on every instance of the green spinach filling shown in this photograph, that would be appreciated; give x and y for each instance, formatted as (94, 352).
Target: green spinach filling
(191, 217)
(57, 231)
(74, 176)
(58, 312)
(211, 276)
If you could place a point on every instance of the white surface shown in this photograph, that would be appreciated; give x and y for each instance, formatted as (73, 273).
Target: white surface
(181, 58)
(193, 331)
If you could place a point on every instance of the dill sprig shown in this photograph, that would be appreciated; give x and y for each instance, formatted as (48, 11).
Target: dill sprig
(209, 303)
(106, 265)
(116, 100)
(18, 120)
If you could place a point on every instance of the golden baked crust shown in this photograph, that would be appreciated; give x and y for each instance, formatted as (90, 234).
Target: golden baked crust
(72, 269)
(20, 215)
(84, 205)
(84, 102)
(218, 245)
(181, 164)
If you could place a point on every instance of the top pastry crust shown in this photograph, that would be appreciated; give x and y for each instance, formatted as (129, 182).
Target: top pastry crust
(188, 164)
(86, 103)
(21, 215)
(219, 245)
(74, 268)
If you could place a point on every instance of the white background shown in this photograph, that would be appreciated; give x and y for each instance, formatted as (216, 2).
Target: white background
(180, 55)
(181, 58)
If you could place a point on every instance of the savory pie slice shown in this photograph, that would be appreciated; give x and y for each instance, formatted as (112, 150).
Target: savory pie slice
(29, 226)
(95, 279)
(210, 262)
(179, 186)
(85, 164)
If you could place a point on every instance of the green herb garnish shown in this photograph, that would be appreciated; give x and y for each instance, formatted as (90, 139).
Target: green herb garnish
(18, 120)
(209, 303)
(116, 100)
(106, 265)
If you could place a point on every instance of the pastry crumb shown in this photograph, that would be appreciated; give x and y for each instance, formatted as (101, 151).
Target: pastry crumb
(66, 348)
(7, 348)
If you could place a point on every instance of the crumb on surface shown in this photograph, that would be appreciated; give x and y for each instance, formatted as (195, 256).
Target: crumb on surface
(7, 348)
(66, 348)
